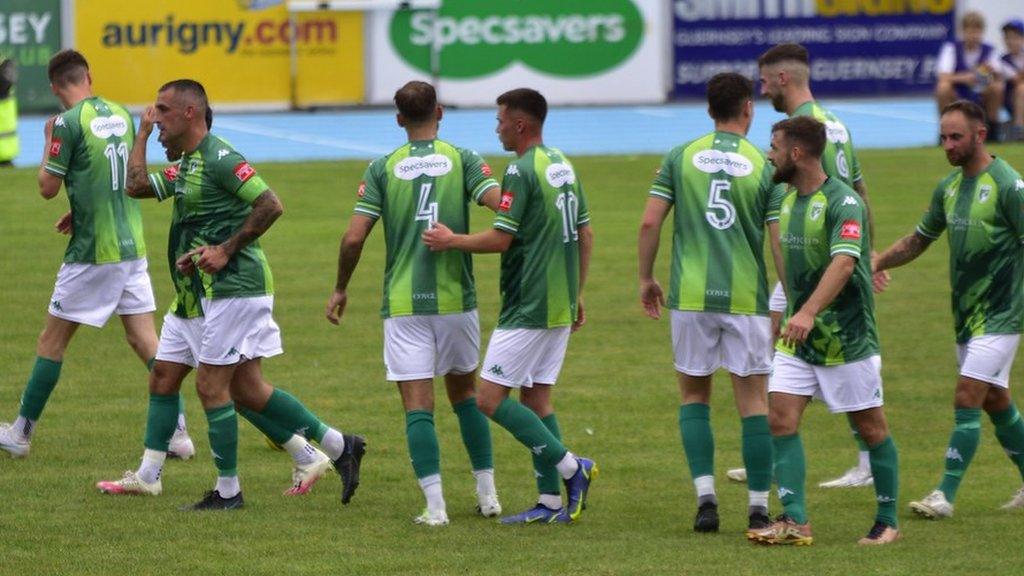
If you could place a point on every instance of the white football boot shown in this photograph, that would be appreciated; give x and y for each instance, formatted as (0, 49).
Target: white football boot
(855, 477)
(13, 442)
(933, 506)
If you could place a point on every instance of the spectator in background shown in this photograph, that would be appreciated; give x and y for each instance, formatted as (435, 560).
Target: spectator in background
(968, 69)
(1013, 74)
(8, 112)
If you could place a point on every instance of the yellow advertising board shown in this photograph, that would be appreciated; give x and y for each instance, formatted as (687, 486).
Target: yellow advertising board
(239, 49)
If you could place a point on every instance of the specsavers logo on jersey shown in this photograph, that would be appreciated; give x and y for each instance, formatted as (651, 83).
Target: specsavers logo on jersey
(559, 175)
(413, 167)
(105, 127)
(715, 161)
(560, 38)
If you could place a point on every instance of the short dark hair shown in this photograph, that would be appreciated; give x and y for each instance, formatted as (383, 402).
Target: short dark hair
(67, 67)
(191, 87)
(416, 101)
(727, 93)
(803, 130)
(971, 110)
(209, 117)
(784, 53)
(525, 100)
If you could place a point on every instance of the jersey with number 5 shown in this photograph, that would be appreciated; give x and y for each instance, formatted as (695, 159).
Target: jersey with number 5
(423, 182)
(720, 186)
(89, 151)
(542, 205)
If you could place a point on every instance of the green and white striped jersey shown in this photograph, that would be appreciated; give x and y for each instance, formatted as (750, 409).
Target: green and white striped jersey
(213, 190)
(542, 205)
(423, 182)
(187, 289)
(814, 229)
(985, 219)
(720, 186)
(839, 159)
(89, 151)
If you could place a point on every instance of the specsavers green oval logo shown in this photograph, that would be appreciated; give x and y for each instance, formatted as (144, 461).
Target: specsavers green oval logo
(562, 38)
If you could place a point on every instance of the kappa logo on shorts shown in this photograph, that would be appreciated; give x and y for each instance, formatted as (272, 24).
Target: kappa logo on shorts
(232, 352)
(496, 370)
(56, 305)
(244, 171)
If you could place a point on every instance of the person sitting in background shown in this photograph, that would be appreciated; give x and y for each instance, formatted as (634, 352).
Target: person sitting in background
(1013, 73)
(968, 69)
(8, 112)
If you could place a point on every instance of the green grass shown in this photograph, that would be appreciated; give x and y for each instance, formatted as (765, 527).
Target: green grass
(616, 401)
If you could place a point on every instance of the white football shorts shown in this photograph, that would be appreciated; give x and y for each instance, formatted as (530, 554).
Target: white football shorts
(239, 329)
(706, 341)
(89, 293)
(988, 358)
(180, 340)
(425, 346)
(519, 357)
(844, 388)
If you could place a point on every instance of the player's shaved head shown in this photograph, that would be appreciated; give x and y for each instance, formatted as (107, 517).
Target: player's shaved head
(803, 132)
(727, 94)
(416, 102)
(793, 58)
(191, 93)
(67, 67)
(527, 101)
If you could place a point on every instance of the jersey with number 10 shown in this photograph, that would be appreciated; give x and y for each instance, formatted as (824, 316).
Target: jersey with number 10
(89, 151)
(423, 182)
(720, 186)
(542, 205)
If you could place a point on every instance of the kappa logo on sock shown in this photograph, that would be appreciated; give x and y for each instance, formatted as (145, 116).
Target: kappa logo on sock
(953, 454)
(783, 492)
(215, 455)
(1011, 453)
(537, 474)
(883, 499)
(538, 449)
(302, 431)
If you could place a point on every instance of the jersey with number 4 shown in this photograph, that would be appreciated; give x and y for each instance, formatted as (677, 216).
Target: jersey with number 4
(838, 159)
(984, 216)
(542, 205)
(720, 186)
(89, 151)
(423, 182)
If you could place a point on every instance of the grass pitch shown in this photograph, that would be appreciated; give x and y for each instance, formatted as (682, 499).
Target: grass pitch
(617, 402)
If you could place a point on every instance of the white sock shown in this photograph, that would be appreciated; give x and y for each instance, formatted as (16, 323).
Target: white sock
(568, 465)
(152, 465)
(228, 486)
(431, 486)
(864, 460)
(485, 481)
(758, 499)
(300, 450)
(333, 443)
(552, 501)
(705, 486)
(23, 428)
(181, 421)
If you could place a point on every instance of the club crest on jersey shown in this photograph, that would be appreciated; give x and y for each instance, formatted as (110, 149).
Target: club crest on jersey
(106, 126)
(506, 200)
(413, 167)
(55, 146)
(984, 192)
(171, 172)
(244, 171)
(715, 161)
(559, 174)
(486, 170)
(850, 230)
(816, 209)
(362, 189)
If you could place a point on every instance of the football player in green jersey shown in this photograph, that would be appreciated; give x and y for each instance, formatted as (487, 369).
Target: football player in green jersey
(105, 269)
(431, 326)
(785, 80)
(721, 188)
(542, 230)
(981, 206)
(829, 343)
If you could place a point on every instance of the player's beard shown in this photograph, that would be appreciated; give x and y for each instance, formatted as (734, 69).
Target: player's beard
(784, 173)
(779, 102)
(960, 157)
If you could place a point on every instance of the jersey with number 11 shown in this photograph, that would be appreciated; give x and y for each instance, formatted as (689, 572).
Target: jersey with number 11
(89, 151)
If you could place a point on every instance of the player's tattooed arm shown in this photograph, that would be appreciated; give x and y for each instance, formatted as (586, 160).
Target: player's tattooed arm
(137, 184)
(212, 259)
(904, 250)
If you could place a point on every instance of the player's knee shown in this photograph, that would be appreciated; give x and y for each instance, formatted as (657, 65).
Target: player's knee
(162, 380)
(486, 405)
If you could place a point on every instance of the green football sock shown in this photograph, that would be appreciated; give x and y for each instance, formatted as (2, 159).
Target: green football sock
(289, 413)
(698, 441)
(223, 433)
(277, 433)
(790, 472)
(1010, 433)
(885, 467)
(548, 479)
(422, 438)
(476, 434)
(963, 443)
(757, 452)
(45, 374)
(161, 420)
(528, 429)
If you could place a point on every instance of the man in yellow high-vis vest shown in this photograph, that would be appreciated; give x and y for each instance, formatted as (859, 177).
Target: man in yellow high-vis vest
(8, 112)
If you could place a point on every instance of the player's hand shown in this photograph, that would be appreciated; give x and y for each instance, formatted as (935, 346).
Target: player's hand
(581, 316)
(798, 328)
(438, 237)
(212, 259)
(880, 281)
(651, 298)
(186, 262)
(336, 306)
(146, 121)
(64, 224)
